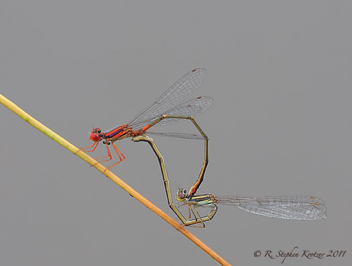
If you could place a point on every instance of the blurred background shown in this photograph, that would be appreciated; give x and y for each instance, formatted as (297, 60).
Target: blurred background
(280, 74)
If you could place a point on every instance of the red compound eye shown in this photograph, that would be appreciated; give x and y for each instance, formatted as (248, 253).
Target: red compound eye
(94, 137)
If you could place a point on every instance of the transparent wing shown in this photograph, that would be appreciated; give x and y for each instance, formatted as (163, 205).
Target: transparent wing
(177, 135)
(191, 107)
(283, 207)
(174, 96)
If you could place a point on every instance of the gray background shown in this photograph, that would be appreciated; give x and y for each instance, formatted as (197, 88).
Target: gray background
(281, 124)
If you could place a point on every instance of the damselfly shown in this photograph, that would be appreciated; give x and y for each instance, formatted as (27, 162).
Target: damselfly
(283, 207)
(169, 108)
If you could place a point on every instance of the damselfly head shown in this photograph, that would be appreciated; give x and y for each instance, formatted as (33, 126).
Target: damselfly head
(95, 135)
(181, 194)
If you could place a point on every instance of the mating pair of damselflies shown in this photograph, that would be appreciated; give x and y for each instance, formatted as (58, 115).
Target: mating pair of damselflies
(172, 107)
